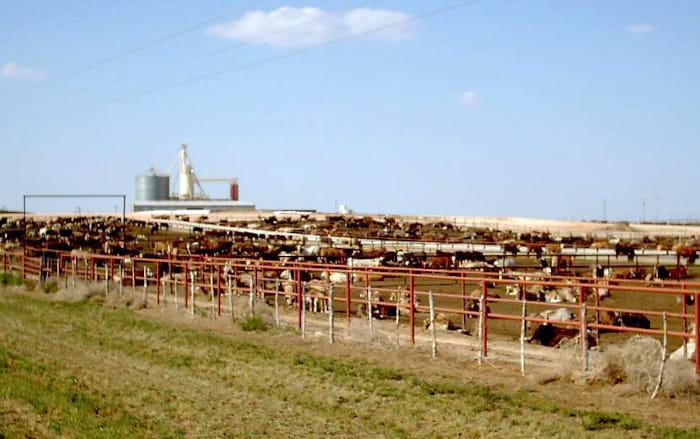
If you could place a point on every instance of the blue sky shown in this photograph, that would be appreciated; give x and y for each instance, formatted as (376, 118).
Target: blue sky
(547, 109)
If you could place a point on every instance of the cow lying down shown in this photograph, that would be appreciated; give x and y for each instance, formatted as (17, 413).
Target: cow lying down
(553, 336)
(689, 354)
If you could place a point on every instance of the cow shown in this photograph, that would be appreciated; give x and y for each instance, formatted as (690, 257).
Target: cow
(563, 294)
(289, 291)
(623, 319)
(289, 275)
(473, 302)
(624, 250)
(439, 262)
(316, 295)
(380, 309)
(365, 262)
(536, 293)
(403, 301)
(690, 347)
(330, 255)
(555, 315)
(335, 277)
(553, 336)
(442, 323)
(683, 251)
(633, 320)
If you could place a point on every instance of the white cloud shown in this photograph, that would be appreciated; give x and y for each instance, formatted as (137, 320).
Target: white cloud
(639, 28)
(362, 20)
(298, 27)
(12, 70)
(469, 98)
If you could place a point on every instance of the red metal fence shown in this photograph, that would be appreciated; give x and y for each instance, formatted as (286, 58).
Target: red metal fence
(447, 290)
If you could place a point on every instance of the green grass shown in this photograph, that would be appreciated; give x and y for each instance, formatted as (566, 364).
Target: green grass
(84, 370)
(253, 323)
(50, 286)
(10, 278)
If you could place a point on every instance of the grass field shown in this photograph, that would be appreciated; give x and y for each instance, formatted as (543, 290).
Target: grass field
(93, 369)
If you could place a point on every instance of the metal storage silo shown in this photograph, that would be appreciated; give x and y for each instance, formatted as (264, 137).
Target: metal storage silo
(234, 190)
(152, 186)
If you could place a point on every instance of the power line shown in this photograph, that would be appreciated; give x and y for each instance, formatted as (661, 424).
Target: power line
(140, 48)
(264, 61)
(238, 45)
(291, 53)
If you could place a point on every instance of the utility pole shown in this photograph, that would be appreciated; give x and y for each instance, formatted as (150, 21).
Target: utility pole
(605, 217)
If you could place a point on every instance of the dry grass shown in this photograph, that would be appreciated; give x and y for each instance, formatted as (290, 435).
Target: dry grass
(631, 368)
(193, 376)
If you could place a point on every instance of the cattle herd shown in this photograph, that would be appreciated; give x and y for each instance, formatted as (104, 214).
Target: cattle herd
(521, 266)
(112, 235)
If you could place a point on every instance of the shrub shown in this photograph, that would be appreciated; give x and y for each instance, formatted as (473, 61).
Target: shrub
(49, 287)
(29, 284)
(10, 278)
(600, 421)
(253, 323)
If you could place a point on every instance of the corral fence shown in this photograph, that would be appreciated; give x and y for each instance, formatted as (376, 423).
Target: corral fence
(415, 301)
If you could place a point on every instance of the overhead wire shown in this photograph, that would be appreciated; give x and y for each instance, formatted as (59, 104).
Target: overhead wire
(141, 47)
(429, 14)
(238, 45)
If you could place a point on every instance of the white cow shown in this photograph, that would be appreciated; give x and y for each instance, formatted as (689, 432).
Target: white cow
(690, 347)
(373, 262)
(334, 277)
(316, 295)
(555, 315)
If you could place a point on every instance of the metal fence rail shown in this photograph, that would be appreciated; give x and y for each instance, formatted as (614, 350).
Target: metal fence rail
(382, 292)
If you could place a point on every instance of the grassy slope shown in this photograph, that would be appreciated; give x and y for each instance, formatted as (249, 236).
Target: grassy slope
(84, 370)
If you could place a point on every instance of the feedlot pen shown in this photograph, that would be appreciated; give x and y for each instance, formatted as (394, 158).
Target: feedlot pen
(421, 304)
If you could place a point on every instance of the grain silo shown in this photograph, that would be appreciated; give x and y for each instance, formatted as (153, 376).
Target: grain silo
(152, 186)
(153, 191)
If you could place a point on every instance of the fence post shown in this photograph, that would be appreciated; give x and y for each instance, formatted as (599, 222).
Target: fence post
(433, 328)
(684, 310)
(193, 275)
(464, 301)
(121, 278)
(663, 357)
(145, 286)
(211, 292)
(229, 281)
(522, 334)
(330, 315)
(106, 279)
(483, 322)
(277, 304)
(158, 290)
(73, 264)
(302, 299)
(187, 276)
(348, 301)
(369, 313)
(255, 279)
(398, 316)
(218, 289)
(697, 335)
(133, 277)
(584, 336)
(412, 310)
(251, 299)
(597, 310)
